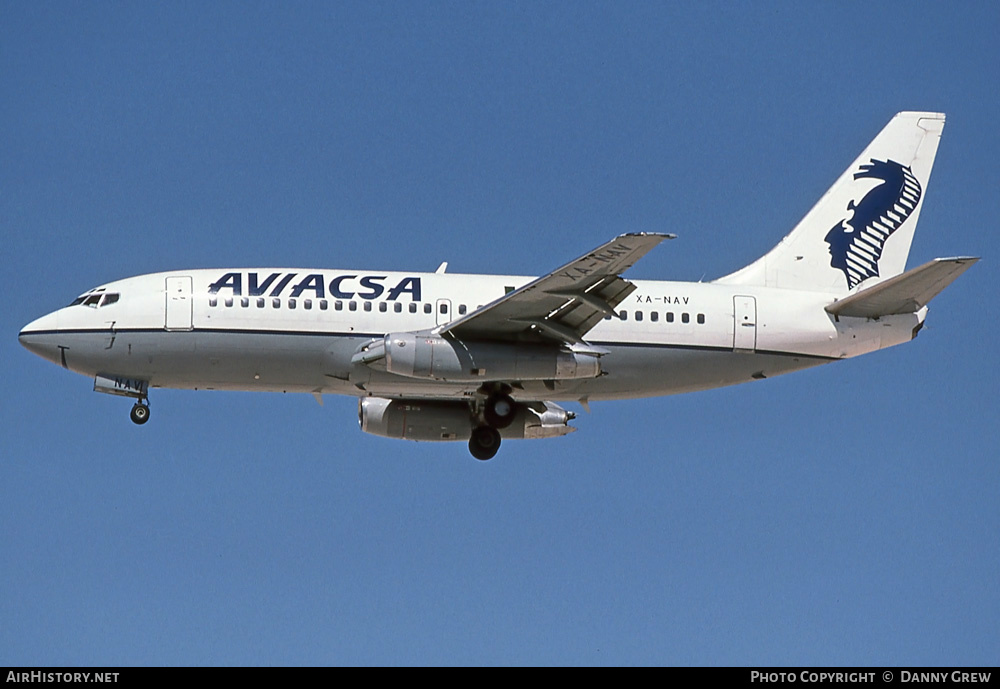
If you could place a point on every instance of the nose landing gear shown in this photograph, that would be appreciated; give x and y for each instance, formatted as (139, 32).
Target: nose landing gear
(123, 386)
(139, 413)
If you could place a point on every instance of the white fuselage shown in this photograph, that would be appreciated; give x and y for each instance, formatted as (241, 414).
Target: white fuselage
(295, 330)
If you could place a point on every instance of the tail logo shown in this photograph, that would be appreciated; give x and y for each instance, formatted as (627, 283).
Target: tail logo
(856, 241)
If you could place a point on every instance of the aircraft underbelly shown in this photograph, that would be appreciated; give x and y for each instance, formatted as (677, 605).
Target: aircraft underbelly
(316, 363)
(658, 371)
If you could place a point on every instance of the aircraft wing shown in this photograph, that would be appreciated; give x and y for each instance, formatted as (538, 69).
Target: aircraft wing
(565, 304)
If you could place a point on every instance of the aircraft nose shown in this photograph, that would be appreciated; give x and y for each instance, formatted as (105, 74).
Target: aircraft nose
(39, 337)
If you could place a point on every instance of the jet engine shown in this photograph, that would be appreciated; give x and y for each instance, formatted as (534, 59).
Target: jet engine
(455, 420)
(430, 356)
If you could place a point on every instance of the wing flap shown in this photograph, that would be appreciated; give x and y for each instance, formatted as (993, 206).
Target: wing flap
(904, 293)
(565, 304)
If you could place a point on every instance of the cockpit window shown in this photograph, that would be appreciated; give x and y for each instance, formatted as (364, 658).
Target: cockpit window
(96, 298)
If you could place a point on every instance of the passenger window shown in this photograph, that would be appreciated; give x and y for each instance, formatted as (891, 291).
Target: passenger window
(685, 318)
(383, 307)
(413, 308)
(623, 315)
(638, 315)
(307, 304)
(276, 303)
(260, 302)
(701, 319)
(427, 308)
(352, 306)
(368, 306)
(654, 316)
(338, 306)
(245, 302)
(212, 301)
(291, 303)
(443, 308)
(397, 307)
(607, 317)
(322, 304)
(461, 309)
(670, 316)
(229, 301)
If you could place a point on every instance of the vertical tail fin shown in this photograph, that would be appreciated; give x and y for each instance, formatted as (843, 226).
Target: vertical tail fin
(860, 230)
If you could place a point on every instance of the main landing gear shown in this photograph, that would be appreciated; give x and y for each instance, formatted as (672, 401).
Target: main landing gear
(499, 411)
(484, 443)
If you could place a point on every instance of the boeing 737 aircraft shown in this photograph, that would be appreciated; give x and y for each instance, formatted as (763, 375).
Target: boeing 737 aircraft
(439, 356)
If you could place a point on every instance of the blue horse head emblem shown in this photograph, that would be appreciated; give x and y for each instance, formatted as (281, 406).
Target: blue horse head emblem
(856, 241)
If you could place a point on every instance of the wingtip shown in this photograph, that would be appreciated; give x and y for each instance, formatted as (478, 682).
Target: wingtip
(661, 235)
(958, 259)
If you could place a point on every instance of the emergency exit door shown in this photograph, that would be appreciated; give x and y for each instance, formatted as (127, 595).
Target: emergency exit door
(443, 310)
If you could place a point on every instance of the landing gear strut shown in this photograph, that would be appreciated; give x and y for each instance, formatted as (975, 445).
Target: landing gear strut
(484, 443)
(139, 413)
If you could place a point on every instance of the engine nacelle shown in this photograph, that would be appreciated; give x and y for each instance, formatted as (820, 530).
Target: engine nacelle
(439, 358)
(440, 420)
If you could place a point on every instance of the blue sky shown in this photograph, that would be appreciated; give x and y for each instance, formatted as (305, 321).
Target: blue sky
(843, 515)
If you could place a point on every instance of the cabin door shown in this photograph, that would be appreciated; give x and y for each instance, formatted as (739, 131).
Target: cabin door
(744, 323)
(179, 303)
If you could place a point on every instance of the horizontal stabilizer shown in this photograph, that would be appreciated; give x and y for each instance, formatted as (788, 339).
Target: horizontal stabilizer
(904, 293)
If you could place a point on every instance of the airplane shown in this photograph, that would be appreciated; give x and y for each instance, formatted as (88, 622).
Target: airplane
(480, 358)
